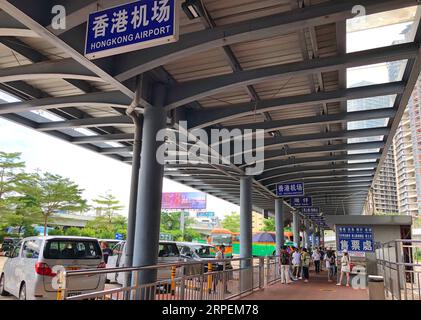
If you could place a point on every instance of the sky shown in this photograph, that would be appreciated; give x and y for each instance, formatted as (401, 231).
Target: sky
(97, 174)
(94, 173)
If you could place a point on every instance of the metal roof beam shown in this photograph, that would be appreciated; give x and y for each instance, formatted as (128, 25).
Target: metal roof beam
(331, 174)
(56, 69)
(100, 99)
(323, 136)
(293, 162)
(131, 64)
(317, 119)
(103, 138)
(297, 169)
(275, 155)
(214, 115)
(187, 92)
(86, 123)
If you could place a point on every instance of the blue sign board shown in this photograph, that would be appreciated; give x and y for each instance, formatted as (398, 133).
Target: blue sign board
(355, 238)
(301, 202)
(290, 189)
(119, 236)
(310, 210)
(207, 214)
(131, 26)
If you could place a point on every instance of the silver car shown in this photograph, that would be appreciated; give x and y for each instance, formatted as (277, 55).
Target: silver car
(31, 268)
(168, 253)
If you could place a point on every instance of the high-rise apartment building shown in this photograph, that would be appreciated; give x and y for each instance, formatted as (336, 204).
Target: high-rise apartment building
(384, 192)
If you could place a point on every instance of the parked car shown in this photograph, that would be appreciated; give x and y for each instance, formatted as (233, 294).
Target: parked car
(193, 251)
(168, 253)
(28, 271)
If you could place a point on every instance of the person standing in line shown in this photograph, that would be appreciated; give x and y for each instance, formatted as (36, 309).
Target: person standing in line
(316, 259)
(296, 262)
(330, 259)
(322, 256)
(345, 267)
(285, 262)
(220, 255)
(305, 261)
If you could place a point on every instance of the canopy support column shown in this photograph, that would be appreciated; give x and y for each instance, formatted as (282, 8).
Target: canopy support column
(296, 228)
(148, 213)
(246, 232)
(279, 224)
(134, 182)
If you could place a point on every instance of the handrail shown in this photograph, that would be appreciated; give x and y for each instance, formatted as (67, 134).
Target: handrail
(73, 273)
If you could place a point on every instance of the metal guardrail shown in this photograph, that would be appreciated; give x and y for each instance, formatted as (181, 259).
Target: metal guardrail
(186, 280)
(399, 262)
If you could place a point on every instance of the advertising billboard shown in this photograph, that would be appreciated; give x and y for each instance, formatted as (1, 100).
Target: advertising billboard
(184, 200)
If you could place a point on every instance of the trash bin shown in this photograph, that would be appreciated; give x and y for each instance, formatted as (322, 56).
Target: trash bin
(376, 287)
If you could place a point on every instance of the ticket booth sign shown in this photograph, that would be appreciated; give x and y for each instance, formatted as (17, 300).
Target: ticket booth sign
(355, 238)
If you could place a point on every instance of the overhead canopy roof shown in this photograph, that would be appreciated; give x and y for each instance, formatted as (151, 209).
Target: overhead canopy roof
(277, 65)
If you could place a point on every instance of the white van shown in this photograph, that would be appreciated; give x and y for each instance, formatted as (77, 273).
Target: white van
(168, 253)
(28, 271)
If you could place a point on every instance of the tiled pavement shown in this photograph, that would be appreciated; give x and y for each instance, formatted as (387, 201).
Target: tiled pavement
(318, 288)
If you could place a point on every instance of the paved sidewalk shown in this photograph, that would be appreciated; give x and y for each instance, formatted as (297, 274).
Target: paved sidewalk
(318, 288)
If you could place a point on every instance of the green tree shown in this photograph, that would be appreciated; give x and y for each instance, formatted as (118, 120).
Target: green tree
(11, 167)
(108, 206)
(170, 224)
(231, 222)
(53, 193)
(11, 173)
(73, 231)
(269, 224)
(24, 215)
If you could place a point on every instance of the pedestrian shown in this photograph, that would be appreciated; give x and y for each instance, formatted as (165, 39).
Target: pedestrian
(285, 262)
(322, 256)
(345, 267)
(305, 261)
(296, 262)
(330, 259)
(220, 255)
(106, 251)
(316, 259)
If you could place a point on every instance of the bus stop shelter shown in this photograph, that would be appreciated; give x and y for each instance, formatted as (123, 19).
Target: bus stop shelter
(276, 65)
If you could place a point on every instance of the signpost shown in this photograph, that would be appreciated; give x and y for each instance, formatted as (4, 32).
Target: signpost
(301, 202)
(310, 210)
(290, 189)
(131, 26)
(355, 239)
(119, 236)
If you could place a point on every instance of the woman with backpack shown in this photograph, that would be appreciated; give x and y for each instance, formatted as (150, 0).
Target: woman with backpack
(305, 260)
(345, 268)
(285, 262)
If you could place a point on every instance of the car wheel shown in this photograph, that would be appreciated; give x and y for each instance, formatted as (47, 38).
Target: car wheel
(22, 292)
(2, 291)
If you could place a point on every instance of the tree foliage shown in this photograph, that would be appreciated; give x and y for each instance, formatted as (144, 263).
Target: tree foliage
(231, 222)
(269, 224)
(170, 224)
(52, 193)
(107, 206)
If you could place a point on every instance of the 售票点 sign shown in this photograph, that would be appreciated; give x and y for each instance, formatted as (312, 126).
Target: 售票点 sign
(355, 238)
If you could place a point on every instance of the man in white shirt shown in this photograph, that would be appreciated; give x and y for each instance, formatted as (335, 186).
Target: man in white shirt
(316, 259)
(296, 262)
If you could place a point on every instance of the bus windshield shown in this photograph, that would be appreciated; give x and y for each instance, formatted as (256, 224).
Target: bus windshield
(225, 239)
